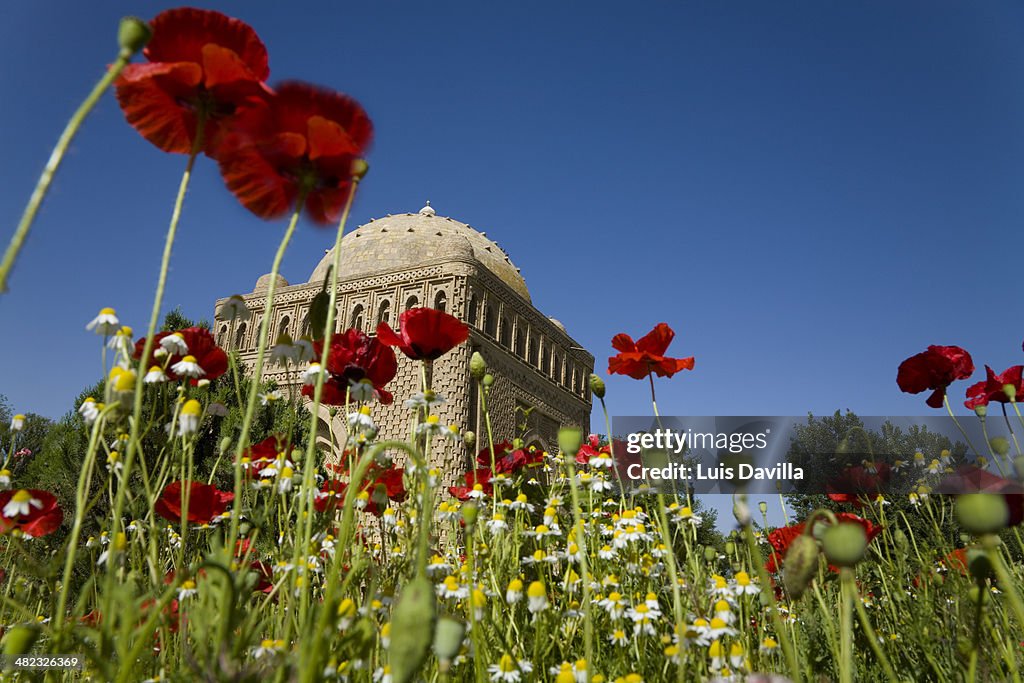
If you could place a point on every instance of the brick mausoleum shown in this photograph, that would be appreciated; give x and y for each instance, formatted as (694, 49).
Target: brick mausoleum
(420, 259)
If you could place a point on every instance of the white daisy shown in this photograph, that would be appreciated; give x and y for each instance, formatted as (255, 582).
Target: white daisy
(155, 375)
(174, 344)
(106, 323)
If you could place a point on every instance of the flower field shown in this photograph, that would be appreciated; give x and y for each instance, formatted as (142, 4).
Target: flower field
(205, 536)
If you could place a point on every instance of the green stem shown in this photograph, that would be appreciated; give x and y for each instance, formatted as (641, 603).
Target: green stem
(845, 626)
(56, 157)
(991, 544)
(862, 616)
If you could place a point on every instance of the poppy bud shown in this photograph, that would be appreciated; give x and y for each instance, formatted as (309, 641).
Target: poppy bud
(488, 380)
(448, 640)
(844, 544)
(469, 438)
(730, 547)
(20, 640)
(979, 564)
(982, 513)
(569, 440)
(999, 444)
(133, 34)
(359, 169)
(597, 387)
(517, 443)
(709, 553)
(412, 626)
(981, 411)
(1010, 391)
(763, 507)
(225, 444)
(477, 366)
(977, 594)
(800, 565)
(469, 514)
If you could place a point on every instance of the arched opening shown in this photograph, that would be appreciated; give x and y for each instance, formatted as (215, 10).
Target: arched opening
(545, 357)
(490, 320)
(472, 311)
(520, 342)
(240, 336)
(357, 317)
(505, 334)
(412, 302)
(384, 312)
(441, 301)
(222, 337)
(556, 368)
(283, 327)
(531, 352)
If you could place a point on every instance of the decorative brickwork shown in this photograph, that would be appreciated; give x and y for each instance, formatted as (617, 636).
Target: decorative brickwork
(396, 262)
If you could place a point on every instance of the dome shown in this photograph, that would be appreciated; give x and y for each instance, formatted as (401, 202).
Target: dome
(408, 240)
(263, 284)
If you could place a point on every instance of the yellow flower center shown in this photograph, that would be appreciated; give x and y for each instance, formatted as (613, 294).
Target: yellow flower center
(22, 496)
(107, 311)
(536, 590)
(192, 408)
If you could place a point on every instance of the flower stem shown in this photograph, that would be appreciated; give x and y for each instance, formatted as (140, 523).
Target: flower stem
(56, 156)
(845, 626)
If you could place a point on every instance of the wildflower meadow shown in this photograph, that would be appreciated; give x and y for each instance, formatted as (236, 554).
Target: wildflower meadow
(186, 524)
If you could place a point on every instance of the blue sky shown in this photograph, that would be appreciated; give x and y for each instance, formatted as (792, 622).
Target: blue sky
(807, 192)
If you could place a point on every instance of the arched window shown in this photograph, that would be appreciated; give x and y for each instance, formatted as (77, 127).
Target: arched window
(357, 317)
(472, 311)
(222, 338)
(556, 368)
(520, 342)
(531, 352)
(240, 336)
(283, 327)
(412, 302)
(305, 325)
(490, 320)
(505, 335)
(441, 301)
(384, 312)
(545, 357)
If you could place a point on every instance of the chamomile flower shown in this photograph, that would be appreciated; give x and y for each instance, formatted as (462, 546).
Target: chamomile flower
(769, 646)
(723, 611)
(174, 344)
(619, 637)
(430, 427)
(270, 397)
(309, 375)
(361, 420)
(5, 479)
(424, 400)
(285, 481)
(718, 628)
(614, 605)
(283, 351)
(497, 523)
(187, 589)
(742, 584)
(267, 648)
(234, 309)
(362, 391)
(90, 410)
(606, 552)
(537, 597)
(20, 504)
(156, 375)
(686, 516)
(188, 418)
(451, 588)
(106, 323)
(521, 503)
(114, 463)
(188, 367)
(514, 592)
(508, 670)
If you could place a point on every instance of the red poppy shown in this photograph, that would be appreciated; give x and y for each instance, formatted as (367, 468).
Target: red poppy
(205, 502)
(934, 369)
(201, 63)
(201, 346)
(508, 459)
(355, 356)
(781, 538)
(382, 486)
(264, 453)
(264, 577)
(639, 359)
(991, 389)
(424, 333)
(859, 482)
(305, 139)
(34, 512)
(330, 496)
(481, 476)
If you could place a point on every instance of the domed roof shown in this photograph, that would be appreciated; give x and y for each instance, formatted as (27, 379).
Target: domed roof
(263, 283)
(410, 239)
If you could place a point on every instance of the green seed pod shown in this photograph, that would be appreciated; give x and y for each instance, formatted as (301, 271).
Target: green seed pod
(448, 639)
(982, 513)
(1018, 464)
(1010, 391)
(469, 438)
(225, 444)
(569, 440)
(518, 443)
(977, 594)
(710, 553)
(1000, 445)
(412, 629)
(597, 387)
(901, 541)
(763, 507)
(477, 366)
(844, 544)
(979, 564)
(359, 169)
(318, 314)
(20, 640)
(133, 34)
(981, 411)
(470, 512)
(488, 380)
(730, 547)
(800, 565)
